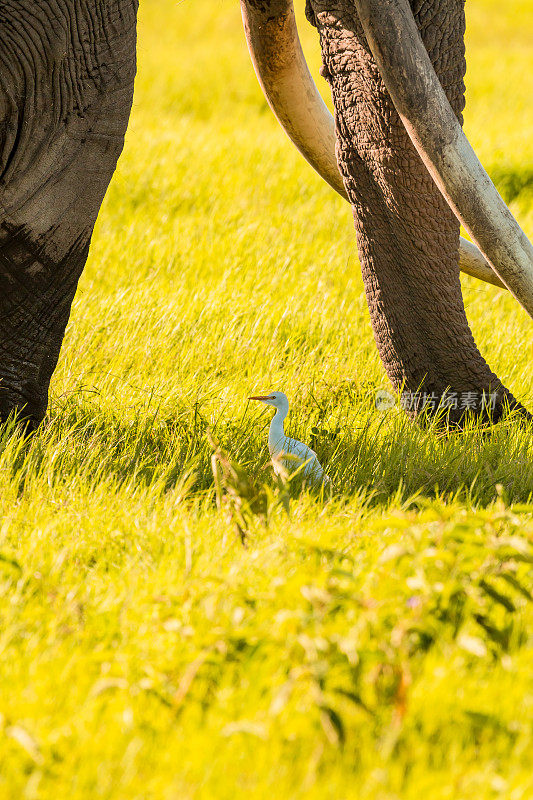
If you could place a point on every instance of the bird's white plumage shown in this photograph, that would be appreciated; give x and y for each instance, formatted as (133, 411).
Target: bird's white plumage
(294, 456)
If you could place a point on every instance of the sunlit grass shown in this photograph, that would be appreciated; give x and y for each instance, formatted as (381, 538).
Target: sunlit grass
(373, 643)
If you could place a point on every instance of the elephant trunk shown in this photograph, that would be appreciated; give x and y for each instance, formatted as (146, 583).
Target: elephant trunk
(407, 235)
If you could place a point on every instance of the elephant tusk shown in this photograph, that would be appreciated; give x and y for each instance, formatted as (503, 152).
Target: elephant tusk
(473, 262)
(421, 102)
(280, 66)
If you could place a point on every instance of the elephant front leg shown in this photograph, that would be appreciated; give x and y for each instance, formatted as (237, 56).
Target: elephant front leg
(65, 113)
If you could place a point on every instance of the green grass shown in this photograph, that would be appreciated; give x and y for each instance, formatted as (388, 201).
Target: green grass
(377, 643)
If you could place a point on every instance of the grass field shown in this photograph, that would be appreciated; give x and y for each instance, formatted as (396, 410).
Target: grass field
(375, 644)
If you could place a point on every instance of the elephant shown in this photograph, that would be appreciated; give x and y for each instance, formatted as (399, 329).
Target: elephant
(397, 152)
(67, 70)
(395, 68)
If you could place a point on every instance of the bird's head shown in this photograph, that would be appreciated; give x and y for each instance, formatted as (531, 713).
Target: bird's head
(276, 399)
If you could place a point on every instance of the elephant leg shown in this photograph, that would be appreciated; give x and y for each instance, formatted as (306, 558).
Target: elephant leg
(407, 236)
(66, 87)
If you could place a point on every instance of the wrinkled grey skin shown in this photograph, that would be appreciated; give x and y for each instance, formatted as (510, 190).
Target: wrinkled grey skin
(408, 238)
(66, 85)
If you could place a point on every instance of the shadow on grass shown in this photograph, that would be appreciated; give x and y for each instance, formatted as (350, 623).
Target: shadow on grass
(383, 457)
(401, 460)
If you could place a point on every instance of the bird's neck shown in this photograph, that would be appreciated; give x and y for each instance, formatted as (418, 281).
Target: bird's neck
(276, 432)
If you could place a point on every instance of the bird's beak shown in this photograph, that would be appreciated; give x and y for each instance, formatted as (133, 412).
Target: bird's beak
(259, 398)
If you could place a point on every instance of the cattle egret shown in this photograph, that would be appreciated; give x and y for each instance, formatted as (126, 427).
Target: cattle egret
(301, 458)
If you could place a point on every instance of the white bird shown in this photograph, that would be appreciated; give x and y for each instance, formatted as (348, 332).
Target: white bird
(302, 459)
